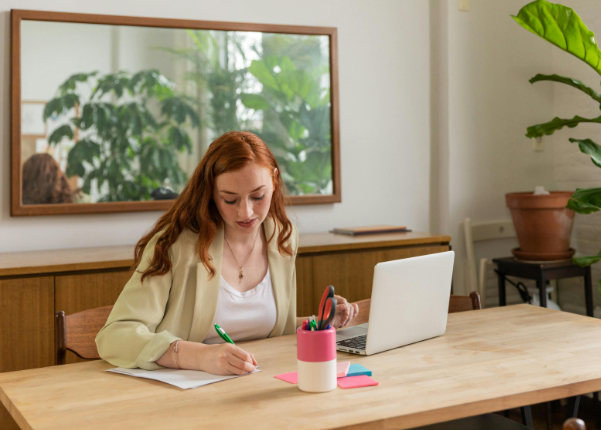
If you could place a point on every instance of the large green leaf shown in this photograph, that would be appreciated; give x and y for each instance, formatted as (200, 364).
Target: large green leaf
(71, 83)
(557, 124)
(254, 101)
(260, 70)
(561, 26)
(587, 260)
(61, 132)
(59, 105)
(568, 81)
(585, 201)
(589, 147)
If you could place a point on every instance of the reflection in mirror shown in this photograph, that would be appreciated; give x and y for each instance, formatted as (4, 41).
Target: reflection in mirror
(123, 113)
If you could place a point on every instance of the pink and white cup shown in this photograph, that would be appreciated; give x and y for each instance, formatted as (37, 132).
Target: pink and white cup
(316, 358)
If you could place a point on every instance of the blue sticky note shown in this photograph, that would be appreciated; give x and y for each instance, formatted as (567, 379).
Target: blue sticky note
(358, 370)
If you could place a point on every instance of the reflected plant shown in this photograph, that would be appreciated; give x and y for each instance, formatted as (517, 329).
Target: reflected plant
(295, 121)
(130, 129)
(295, 100)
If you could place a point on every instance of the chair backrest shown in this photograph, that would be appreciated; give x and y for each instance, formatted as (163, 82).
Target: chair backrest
(465, 303)
(493, 236)
(574, 424)
(456, 304)
(77, 332)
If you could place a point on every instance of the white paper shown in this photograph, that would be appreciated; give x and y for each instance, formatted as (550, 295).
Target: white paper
(185, 379)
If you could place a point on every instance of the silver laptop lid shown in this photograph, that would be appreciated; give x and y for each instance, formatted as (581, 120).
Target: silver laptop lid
(409, 301)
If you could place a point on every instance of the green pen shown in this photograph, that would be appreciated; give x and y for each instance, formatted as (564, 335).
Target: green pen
(222, 334)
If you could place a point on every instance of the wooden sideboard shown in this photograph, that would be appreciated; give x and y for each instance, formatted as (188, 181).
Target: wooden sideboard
(35, 284)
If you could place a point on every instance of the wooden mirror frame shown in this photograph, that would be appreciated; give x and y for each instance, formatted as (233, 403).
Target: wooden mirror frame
(17, 207)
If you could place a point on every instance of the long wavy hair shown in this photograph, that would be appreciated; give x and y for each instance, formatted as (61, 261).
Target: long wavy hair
(44, 182)
(196, 210)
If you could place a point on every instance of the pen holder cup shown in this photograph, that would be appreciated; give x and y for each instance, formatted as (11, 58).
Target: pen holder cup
(316, 358)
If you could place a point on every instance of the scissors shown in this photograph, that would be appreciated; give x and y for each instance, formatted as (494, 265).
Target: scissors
(328, 293)
(329, 313)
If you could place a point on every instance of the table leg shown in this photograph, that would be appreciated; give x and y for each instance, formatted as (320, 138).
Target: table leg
(502, 298)
(596, 409)
(588, 292)
(542, 290)
(527, 416)
(572, 409)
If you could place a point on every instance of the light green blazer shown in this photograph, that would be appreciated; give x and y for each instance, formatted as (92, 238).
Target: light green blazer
(148, 316)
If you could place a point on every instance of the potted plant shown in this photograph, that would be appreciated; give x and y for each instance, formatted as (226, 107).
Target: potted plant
(562, 27)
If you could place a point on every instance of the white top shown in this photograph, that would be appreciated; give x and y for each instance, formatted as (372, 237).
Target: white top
(244, 316)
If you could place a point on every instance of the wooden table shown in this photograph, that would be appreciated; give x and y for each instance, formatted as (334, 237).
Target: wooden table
(488, 360)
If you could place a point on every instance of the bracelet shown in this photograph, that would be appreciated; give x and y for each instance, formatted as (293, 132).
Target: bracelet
(175, 351)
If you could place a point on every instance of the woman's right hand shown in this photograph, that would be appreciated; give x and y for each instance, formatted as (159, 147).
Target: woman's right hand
(227, 359)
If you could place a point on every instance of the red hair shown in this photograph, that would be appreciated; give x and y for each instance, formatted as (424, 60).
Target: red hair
(44, 182)
(195, 209)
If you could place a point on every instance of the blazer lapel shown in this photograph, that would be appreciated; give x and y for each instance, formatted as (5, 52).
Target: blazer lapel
(281, 274)
(207, 291)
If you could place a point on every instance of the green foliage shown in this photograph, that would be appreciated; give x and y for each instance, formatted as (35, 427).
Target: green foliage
(292, 98)
(130, 127)
(585, 201)
(588, 260)
(562, 27)
(552, 126)
(589, 147)
(295, 110)
(568, 81)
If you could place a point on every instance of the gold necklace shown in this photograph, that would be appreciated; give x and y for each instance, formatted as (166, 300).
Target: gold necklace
(247, 257)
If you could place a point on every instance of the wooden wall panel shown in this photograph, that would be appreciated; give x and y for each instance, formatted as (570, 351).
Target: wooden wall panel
(26, 328)
(76, 293)
(26, 323)
(351, 273)
(304, 286)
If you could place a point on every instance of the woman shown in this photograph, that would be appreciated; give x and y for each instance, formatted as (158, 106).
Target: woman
(223, 253)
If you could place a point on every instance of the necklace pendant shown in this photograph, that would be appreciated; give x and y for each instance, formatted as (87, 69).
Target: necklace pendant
(241, 273)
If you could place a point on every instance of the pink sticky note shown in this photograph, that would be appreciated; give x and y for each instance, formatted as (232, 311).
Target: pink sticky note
(356, 382)
(342, 368)
(291, 377)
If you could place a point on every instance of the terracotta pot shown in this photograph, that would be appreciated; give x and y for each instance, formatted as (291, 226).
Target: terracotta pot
(543, 225)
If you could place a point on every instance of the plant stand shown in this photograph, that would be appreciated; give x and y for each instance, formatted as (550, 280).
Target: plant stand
(543, 272)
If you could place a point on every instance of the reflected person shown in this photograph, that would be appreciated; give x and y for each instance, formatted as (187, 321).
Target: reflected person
(44, 182)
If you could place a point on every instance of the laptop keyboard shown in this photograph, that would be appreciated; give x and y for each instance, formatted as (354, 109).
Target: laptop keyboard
(357, 342)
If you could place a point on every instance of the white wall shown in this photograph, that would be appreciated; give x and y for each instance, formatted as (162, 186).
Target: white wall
(490, 104)
(383, 49)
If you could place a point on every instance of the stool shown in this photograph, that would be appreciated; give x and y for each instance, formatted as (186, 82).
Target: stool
(543, 272)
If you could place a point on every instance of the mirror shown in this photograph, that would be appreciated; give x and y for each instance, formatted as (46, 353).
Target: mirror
(112, 114)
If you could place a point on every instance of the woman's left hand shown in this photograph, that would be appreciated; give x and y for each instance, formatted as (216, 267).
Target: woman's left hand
(345, 312)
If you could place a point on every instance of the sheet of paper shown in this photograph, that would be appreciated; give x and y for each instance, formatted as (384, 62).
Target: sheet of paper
(185, 379)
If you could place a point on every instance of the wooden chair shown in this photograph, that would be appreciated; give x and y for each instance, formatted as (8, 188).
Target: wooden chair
(574, 424)
(76, 333)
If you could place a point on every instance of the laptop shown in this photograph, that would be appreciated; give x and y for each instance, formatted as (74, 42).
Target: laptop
(409, 303)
